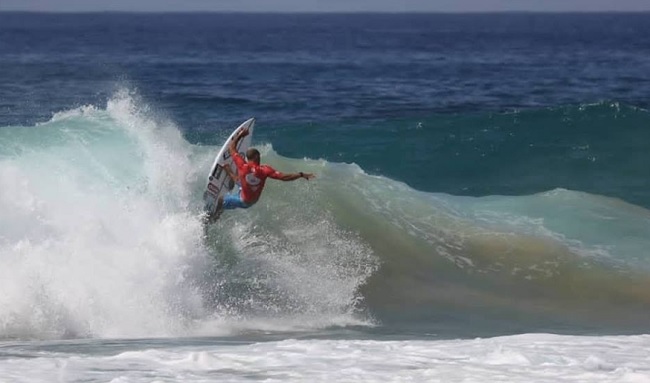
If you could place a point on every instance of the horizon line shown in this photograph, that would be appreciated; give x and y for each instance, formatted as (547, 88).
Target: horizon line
(327, 12)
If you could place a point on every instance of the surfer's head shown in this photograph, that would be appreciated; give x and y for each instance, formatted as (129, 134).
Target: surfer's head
(253, 155)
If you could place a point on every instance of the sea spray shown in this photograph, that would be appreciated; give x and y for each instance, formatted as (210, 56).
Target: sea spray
(102, 236)
(94, 239)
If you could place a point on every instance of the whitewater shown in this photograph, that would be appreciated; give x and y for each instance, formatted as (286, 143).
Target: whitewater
(522, 358)
(102, 236)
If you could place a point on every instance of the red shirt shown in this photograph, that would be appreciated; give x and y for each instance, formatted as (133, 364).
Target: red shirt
(252, 178)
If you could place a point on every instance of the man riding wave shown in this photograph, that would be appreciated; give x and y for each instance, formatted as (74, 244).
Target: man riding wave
(251, 177)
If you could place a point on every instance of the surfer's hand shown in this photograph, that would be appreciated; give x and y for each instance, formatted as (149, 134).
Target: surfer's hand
(243, 132)
(307, 176)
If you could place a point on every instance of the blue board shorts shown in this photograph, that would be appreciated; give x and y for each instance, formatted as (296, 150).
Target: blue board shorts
(233, 201)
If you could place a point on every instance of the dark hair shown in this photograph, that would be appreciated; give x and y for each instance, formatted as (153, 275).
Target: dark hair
(252, 153)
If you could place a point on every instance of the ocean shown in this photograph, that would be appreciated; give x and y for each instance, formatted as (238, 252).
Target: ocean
(479, 212)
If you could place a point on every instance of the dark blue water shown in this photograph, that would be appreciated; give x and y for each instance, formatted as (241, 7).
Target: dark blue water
(482, 105)
(466, 95)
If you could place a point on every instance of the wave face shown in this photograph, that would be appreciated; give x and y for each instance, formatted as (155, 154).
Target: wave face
(101, 236)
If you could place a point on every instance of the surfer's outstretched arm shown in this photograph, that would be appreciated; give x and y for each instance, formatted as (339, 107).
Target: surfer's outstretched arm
(291, 176)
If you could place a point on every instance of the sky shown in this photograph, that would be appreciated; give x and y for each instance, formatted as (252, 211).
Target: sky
(326, 5)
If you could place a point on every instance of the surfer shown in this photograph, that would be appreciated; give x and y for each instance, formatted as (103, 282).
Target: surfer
(251, 177)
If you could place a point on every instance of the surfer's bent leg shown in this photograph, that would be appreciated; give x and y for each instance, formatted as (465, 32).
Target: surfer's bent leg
(233, 201)
(229, 201)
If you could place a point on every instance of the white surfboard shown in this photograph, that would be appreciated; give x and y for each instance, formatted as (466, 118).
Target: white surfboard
(218, 181)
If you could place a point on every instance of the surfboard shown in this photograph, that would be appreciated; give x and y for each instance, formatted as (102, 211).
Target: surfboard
(219, 183)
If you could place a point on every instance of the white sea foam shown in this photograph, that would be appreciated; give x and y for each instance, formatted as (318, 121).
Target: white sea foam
(522, 358)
